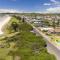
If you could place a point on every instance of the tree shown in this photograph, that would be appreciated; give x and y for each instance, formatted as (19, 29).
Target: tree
(47, 23)
(58, 23)
(23, 20)
(53, 25)
(14, 26)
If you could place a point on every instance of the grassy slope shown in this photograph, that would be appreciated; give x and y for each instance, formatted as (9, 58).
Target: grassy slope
(24, 44)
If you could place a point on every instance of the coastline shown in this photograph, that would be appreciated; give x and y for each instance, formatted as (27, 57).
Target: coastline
(6, 20)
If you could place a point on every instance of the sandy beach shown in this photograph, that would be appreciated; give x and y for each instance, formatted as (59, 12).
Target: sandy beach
(3, 21)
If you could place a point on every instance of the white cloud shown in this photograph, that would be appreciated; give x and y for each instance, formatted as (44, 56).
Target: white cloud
(53, 1)
(53, 10)
(9, 11)
(47, 4)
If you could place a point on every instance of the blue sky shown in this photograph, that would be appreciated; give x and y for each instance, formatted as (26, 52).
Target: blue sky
(30, 5)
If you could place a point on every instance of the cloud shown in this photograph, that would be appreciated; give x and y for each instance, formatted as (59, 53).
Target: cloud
(9, 11)
(53, 10)
(47, 4)
(53, 1)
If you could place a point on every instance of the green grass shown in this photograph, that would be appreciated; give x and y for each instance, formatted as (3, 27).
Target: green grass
(27, 45)
(3, 52)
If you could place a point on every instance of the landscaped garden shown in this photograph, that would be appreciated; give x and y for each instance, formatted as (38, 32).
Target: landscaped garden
(21, 44)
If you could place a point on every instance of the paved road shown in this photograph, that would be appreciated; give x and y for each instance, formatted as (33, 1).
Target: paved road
(50, 46)
(53, 50)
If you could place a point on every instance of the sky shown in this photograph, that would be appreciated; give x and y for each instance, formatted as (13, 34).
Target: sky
(38, 6)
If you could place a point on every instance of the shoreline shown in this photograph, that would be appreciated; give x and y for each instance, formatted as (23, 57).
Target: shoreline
(2, 23)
